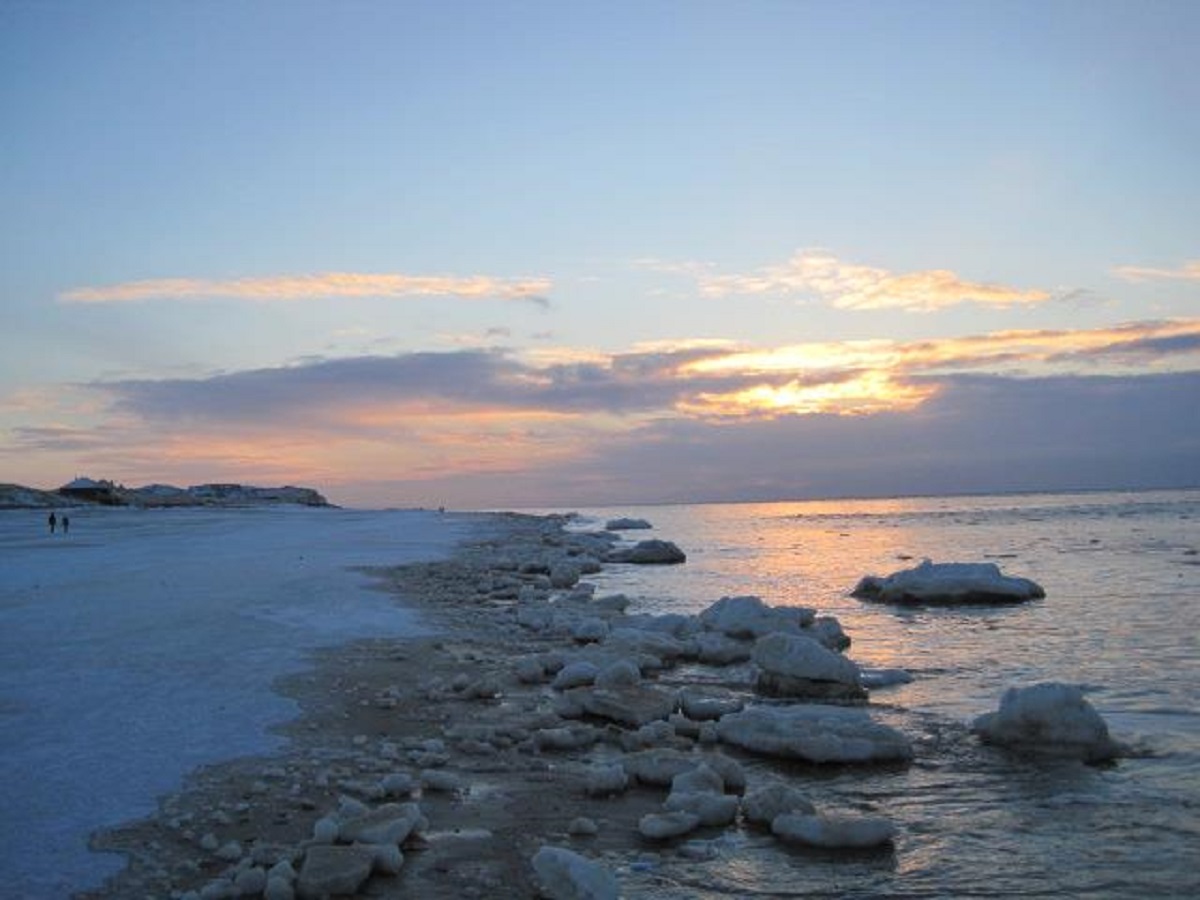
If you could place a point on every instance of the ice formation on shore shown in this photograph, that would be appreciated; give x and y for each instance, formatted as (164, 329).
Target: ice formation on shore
(566, 875)
(648, 553)
(817, 734)
(548, 680)
(948, 583)
(794, 665)
(834, 832)
(627, 524)
(1050, 719)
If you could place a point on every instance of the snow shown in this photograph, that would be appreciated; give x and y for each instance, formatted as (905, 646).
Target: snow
(144, 643)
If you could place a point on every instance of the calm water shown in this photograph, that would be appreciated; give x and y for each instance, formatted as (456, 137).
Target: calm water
(1121, 617)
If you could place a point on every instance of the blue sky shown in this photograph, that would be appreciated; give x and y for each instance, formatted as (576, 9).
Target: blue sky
(420, 230)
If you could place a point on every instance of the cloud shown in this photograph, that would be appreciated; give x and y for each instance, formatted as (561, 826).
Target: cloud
(1189, 271)
(1131, 347)
(686, 379)
(980, 433)
(465, 381)
(853, 286)
(317, 286)
(564, 424)
(54, 438)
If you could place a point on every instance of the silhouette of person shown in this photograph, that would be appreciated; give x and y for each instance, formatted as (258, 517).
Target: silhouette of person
(53, 522)
(66, 524)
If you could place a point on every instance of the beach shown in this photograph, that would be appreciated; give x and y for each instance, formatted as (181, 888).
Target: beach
(375, 708)
(145, 644)
(541, 696)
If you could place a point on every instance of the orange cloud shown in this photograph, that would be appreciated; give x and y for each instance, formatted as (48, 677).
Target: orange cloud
(863, 394)
(309, 287)
(1189, 271)
(999, 351)
(1132, 347)
(862, 377)
(852, 286)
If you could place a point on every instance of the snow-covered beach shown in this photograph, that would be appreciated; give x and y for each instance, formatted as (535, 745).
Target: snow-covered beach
(144, 643)
(532, 723)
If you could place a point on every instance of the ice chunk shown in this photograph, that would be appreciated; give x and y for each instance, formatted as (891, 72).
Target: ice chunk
(1049, 718)
(664, 826)
(750, 617)
(652, 552)
(819, 734)
(880, 678)
(565, 875)
(334, 870)
(769, 801)
(948, 583)
(838, 832)
(793, 665)
(575, 674)
(626, 524)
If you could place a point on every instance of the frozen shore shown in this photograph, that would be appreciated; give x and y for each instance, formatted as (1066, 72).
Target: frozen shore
(534, 717)
(144, 644)
(531, 735)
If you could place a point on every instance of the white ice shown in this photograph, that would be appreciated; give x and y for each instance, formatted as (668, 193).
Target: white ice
(948, 583)
(144, 644)
(1049, 718)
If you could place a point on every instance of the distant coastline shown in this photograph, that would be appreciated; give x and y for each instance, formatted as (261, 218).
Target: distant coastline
(88, 492)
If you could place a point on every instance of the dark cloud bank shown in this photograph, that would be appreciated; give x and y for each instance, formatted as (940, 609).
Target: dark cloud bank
(978, 434)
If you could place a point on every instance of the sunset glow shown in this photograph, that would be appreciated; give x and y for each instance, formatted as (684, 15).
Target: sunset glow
(539, 254)
(871, 392)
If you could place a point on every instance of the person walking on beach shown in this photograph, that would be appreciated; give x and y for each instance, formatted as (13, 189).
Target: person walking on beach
(66, 524)
(53, 520)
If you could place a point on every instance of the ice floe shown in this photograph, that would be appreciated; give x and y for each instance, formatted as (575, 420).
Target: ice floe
(948, 583)
(626, 524)
(834, 831)
(652, 552)
(566, 875)
(1050, 719)
(792, 665)
(818, 734)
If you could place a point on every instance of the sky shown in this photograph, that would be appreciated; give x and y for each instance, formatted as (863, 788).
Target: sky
(530, 254)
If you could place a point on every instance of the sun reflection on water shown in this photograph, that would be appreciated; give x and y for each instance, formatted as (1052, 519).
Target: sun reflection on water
(1120, 617)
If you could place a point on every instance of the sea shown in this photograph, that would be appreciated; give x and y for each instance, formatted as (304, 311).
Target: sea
(1121, 618)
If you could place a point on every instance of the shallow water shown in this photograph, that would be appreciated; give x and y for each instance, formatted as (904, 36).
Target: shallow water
(1121, 617)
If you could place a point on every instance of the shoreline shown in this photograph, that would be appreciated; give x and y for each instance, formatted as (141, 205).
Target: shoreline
(475, 731)
(378, 707)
